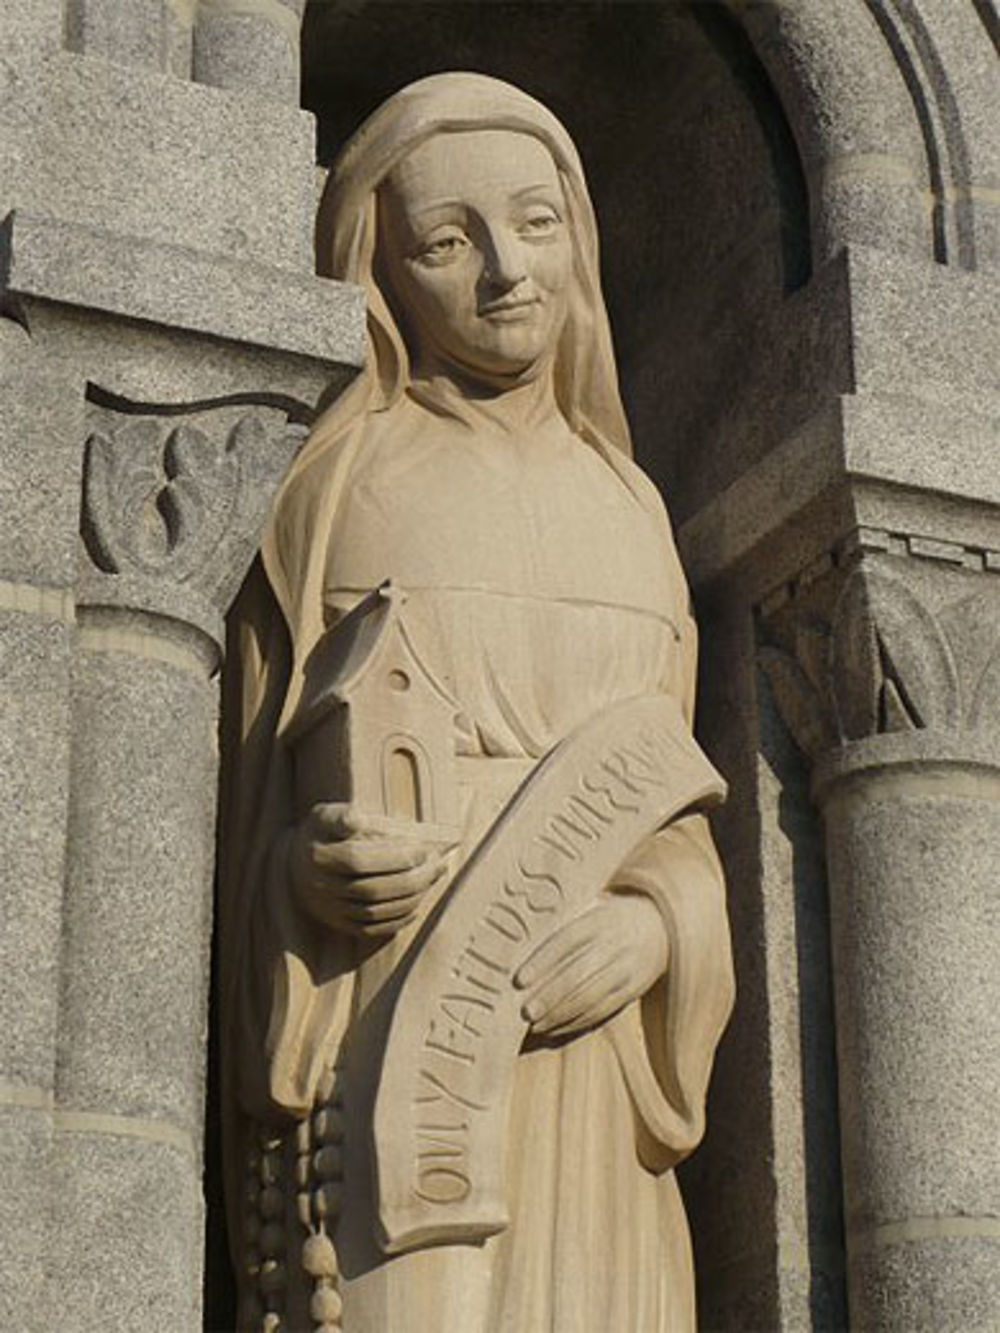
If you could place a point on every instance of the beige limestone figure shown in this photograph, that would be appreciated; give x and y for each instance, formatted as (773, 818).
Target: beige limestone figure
(466, 1047)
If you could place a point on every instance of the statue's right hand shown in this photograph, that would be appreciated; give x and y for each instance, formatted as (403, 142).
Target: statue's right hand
(364, 874)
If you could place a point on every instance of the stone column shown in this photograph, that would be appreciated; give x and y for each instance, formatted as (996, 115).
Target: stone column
(913, 845)
(251, 45)
(39, 429)
(133, 32)
(174, 495)
(164, 346)
(170, 514)
(898, 703)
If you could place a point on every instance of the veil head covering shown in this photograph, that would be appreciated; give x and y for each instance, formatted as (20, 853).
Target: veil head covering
(347, 230)
(584, 374)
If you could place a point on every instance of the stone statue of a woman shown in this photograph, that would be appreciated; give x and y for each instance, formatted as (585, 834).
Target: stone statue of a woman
(465, 536)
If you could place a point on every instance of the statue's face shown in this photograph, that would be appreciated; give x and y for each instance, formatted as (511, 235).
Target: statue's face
(477, 248)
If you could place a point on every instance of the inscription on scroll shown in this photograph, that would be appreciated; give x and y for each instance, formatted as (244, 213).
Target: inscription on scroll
(441, 1108)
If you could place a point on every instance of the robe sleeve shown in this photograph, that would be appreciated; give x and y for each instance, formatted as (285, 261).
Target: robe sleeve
(666, 1041)
(283, 979)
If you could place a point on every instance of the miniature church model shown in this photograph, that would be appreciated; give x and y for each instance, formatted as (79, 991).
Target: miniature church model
(373, 726)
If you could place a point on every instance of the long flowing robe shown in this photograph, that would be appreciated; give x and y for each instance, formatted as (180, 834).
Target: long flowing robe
(542, 586)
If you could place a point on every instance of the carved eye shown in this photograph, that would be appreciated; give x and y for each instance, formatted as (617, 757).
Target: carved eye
(540, 224)
(399, 681)
(443, 249)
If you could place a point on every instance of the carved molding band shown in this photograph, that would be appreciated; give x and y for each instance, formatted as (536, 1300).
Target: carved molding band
(978, 559)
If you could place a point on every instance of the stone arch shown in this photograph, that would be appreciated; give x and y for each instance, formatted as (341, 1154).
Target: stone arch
(407, 779)
(891, 104)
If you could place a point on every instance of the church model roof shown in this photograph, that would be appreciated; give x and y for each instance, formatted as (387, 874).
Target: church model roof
(369, 646)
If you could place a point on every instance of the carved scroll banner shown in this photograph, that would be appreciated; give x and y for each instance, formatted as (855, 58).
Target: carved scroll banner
(442, 1103)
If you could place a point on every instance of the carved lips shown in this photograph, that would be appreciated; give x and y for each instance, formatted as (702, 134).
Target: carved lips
(511, 312)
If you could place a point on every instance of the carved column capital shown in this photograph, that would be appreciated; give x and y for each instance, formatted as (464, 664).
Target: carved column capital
(885, 647)
(173, 507)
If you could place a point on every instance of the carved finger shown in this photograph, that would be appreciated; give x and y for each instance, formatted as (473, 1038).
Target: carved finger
(321, 904)
(376, 913)
(566, 982)
(381, 930)
(568, 970)
(356, 857)
(590, 1015)
(383, 888)
(595, 999)
(561, 947)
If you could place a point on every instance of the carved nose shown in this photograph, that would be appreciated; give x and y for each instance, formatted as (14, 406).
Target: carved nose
(505, 266)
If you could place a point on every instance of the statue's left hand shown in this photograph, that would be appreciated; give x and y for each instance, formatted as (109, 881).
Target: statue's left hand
(593, 965)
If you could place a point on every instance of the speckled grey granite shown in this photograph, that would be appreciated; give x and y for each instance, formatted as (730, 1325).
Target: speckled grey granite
(184, 289)
(149, 155)
(40, 456)
(40, 453)
(916, 925)
(35, 656)
(770, 497)
(949, 1285)
(910, 450)
(247, 53)
(195, 585)
(961, 37)
(131, 31)
(739, 1301)
(944, 449)
(859, 138)
(874, 459)
(915, 914)
(913, 305)
(785, 361)
(27, 1219)
(148, 363)
(125, 1239)
(33, 31)
(137, 912)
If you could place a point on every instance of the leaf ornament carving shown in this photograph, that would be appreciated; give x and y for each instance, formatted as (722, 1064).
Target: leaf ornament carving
(856, 663)
(158, 502)
(974, 622)
(985, 709)
(120, 478)
(884, 664)
(893, 669)
(802, 706)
